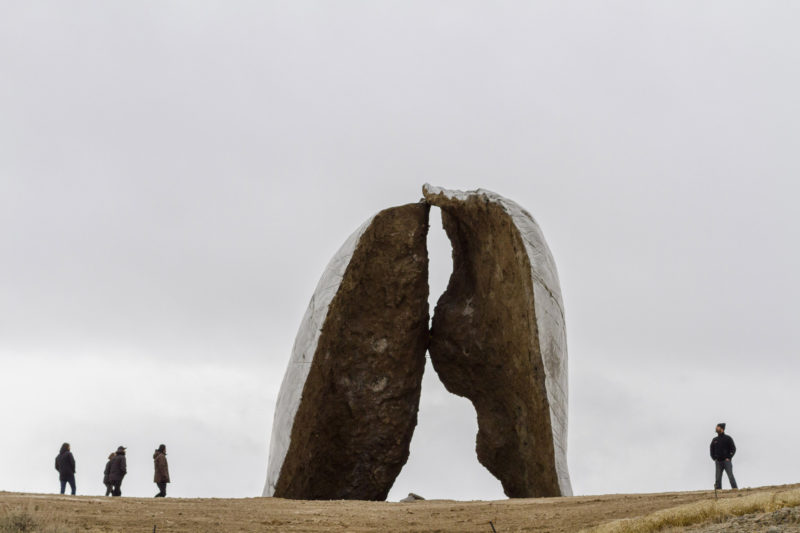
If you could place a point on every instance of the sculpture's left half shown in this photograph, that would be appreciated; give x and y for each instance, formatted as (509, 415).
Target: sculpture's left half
(348, 403)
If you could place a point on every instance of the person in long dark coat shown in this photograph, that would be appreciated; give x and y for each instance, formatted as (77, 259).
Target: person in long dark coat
(65, 464)
(106, 474)
(117, 471)
(161, 477)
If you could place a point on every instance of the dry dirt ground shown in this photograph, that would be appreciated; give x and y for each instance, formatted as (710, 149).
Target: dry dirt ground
(95, 514)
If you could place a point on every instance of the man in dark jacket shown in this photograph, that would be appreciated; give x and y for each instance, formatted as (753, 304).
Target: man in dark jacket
(117, 471)
(162, 470)
(722, 451)
(65, 464)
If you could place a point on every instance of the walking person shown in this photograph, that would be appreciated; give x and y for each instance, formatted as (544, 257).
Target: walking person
(65, 464)
(722, 451)
(117, 470)
(107, 473)
(161, 477)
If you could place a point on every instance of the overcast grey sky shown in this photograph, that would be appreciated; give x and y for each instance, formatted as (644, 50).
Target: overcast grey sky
(174, 177)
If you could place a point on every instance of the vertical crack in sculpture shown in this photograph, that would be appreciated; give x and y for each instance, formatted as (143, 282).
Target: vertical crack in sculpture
(498, 338)
(348, 403)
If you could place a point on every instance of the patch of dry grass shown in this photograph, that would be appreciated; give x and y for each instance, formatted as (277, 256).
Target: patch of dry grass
(702, 512)
(31, 519)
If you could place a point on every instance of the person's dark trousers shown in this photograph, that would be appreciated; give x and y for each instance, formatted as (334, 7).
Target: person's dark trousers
(109, 489)
(162, 490)
(728, 467)
(71, 481)
(116, 488)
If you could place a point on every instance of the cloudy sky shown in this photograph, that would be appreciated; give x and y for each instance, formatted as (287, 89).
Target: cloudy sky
(174, 177)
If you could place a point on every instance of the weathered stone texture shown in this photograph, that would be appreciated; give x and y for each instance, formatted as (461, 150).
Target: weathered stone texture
(498, 338)
(348, 404)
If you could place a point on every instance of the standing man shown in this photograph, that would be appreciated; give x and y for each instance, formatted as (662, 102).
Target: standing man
(722, 451)
(162, 470)
(65, 464)
(117, 471)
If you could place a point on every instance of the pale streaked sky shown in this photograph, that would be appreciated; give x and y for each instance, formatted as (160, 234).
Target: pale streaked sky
(174, 177)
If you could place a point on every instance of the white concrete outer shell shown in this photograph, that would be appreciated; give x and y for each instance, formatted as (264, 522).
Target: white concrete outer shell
(305, 345)
(549, 310)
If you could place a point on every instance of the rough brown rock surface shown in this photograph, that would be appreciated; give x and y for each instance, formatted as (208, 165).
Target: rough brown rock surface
(486, 344)
(351, 431)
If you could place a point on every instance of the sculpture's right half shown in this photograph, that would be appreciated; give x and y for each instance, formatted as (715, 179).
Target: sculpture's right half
(498, 338)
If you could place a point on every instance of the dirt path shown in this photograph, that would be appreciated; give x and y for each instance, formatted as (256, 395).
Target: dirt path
(171, 515)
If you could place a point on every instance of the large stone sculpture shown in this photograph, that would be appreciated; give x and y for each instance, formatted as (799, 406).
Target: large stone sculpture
(348, 404)
(498, 338)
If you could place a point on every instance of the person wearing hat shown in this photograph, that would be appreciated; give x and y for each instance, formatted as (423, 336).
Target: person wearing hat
(161, 477)
(722, 451)
(117, 471)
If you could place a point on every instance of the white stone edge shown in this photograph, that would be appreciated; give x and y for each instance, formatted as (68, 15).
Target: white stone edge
(549, 310)
(305, 346)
